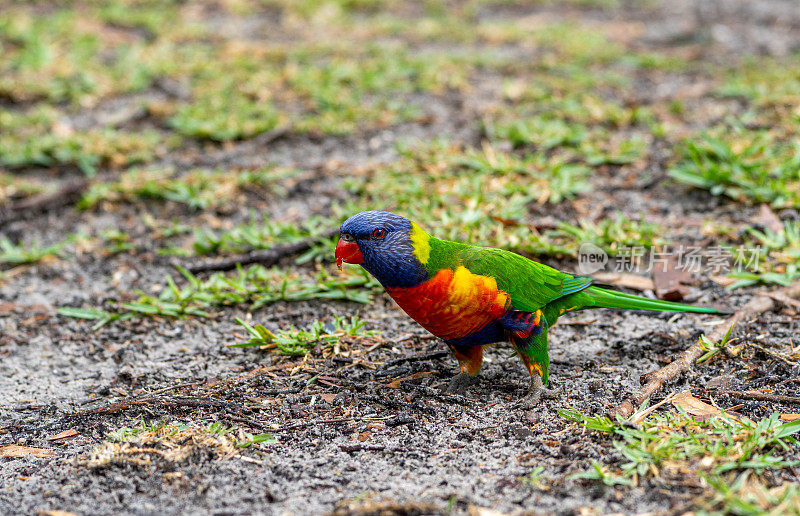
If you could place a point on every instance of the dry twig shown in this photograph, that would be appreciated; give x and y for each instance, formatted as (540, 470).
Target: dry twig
(756, 395)
(69, 193)
(152, 401)
(265, 257)
(653, 381)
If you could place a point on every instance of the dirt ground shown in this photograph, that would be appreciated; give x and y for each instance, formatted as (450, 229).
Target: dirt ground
(369, 431)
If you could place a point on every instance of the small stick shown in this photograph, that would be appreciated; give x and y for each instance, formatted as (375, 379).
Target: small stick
(786, 300)
(333, 421)
(655, 380)
(265, 257)
(640, 417)
(171, 387)
(756, 395)
(174, 402)
(69, 193)
(361, 447)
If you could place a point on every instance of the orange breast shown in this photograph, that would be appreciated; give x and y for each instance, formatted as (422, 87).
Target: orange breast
(452, 305)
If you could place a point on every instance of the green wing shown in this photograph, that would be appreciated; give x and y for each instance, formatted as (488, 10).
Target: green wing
(531, 285)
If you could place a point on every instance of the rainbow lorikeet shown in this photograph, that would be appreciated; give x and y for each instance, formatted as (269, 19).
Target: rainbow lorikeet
(472, 296)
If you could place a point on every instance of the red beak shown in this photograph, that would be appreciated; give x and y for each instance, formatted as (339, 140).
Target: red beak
(347, 252)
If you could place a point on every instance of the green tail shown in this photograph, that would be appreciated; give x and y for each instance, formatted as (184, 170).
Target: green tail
(603, 298)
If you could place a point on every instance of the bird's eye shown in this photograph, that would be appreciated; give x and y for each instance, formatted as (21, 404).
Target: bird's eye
(379, 233)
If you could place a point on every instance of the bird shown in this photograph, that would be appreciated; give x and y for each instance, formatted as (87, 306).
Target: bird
(471, 296)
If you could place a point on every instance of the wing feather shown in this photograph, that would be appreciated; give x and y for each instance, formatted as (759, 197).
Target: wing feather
(529, 284)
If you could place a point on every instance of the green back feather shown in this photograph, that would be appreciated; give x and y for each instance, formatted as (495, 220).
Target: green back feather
(532, 285)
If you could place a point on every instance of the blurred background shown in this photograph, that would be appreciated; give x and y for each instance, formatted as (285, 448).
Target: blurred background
(148, 147)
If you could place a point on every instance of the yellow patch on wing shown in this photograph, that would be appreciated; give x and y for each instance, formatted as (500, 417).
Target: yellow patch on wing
(467, 287)
(421, 242)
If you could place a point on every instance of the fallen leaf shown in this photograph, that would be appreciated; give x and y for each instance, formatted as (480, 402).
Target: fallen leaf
(669, 279)
(786, 300)
(120, 391)
(694, 406)
(505, 222)
(724, 281)
(621, 279)
(66, 434)
(396, 383)
(768, 219)
(39, 309)
(12, 450)
(327, 396)
(55, 513)
(790, 417)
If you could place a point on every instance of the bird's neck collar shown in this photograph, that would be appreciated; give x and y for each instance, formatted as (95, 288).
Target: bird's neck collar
(402, 265)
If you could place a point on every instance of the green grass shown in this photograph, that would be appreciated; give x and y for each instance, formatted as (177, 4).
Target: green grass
(333, 88)
(535, 479)
(197, 189)
(367, 73)
(721, 453)
(250, 440)
(455, 192)
(364, 75)
(131, 433)
(37, 138)
(482, 196)
(300, 341)
(117, 241)
(19, 254)
(771, 84)
(223, 113)
(71, 58)
(750, 166)
(13, 186)
(713, 348)
(777, 254)
(76, 55)
(263, 233)
(254, 287)
(162, 433)
(612, 234)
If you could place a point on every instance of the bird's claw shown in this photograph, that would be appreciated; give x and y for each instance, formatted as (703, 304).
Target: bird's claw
(537, 392)
(459, 383)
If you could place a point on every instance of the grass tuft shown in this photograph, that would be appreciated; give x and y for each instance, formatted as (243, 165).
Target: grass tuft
(299, 341)
(715, 455)
(745, 165)
(254, 287)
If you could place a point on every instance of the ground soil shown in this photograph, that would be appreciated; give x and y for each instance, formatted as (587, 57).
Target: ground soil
(351, 440)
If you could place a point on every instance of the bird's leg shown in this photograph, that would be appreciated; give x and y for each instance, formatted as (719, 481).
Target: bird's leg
(470, 359)
(537, 391)
(533, 352)
(536, 388)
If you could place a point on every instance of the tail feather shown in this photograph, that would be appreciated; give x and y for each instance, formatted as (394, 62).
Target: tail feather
(604, 298)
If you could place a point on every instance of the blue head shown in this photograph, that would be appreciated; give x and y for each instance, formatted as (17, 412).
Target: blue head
(382, 243)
